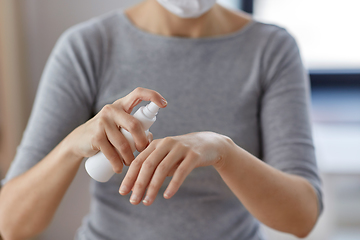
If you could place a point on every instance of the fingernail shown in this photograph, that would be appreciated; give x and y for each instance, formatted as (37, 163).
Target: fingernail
(146, 199)
(164, 102)
(167, 194)
(134, 198)
(123, 189)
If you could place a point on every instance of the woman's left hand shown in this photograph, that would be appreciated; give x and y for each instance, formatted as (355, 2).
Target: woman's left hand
(176, 156)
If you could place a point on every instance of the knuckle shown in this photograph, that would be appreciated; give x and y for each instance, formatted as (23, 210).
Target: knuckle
(124, 146)
(106, 110)
(118, 102)
(162, 168)
(148, 164)
(137, 162)
(153, 186)
(139, 185)
(181, 171)
(129, 178)
(138, 90)
(113, 158)
(133, 124)
(169, 141)
(175, 182)
(155, 142)
(154, 94)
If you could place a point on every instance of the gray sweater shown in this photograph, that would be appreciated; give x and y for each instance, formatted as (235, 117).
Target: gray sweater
(249, 85)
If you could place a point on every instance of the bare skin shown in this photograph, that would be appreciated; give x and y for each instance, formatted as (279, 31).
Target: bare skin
(179, 155)
(21, 219)
(284, 202)
(152, 17)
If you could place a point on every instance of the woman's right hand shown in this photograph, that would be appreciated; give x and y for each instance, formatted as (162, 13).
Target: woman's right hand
(102, 132)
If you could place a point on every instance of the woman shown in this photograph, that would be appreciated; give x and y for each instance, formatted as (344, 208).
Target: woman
(235, 136)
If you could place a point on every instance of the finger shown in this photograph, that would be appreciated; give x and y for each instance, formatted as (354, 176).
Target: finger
(134, 104)
(150, 137)
(111, 154)
(120, 143)
(142, 94)
(146, 172)
(172, 159)
(132, 173)
(181, 173)
(173, 169)
(132, 125)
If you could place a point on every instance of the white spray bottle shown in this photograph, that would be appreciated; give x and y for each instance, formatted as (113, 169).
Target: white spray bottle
(98, 166)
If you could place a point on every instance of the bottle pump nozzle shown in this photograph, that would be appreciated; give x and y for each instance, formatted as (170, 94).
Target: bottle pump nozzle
(151, 110)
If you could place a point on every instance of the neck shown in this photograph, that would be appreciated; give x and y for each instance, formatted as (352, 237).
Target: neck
(154, 18)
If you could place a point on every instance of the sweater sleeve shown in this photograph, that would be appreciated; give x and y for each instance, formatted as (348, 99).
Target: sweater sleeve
(284, 116)
(65, 96)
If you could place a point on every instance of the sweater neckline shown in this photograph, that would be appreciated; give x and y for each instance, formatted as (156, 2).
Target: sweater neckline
(159, 37)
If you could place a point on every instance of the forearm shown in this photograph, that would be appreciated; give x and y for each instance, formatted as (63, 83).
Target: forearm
(282, 201)
(29, 201)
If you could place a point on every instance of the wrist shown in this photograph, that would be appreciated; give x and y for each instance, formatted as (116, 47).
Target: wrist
(226, 151)
(67, 148)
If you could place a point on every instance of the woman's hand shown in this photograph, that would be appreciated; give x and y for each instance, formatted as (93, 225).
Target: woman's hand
(176, 156)
(101, 133)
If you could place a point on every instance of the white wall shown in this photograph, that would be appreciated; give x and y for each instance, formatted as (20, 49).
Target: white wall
(44, 21)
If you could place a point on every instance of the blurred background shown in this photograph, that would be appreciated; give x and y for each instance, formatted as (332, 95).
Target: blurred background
(328, 35)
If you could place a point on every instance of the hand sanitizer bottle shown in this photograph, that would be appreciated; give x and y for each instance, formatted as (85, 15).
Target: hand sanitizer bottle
(98, 166)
